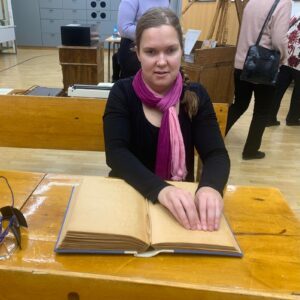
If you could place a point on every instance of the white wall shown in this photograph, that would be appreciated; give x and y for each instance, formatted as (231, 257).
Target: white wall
(296, 8)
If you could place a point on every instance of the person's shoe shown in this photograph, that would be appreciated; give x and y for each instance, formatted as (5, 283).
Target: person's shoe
(255, 155)
(272, 123)
(293, 123)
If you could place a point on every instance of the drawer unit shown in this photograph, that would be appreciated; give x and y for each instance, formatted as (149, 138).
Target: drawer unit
(38, 22)
(51, 13)
(76, 4)
(51, 4)
(74, 14)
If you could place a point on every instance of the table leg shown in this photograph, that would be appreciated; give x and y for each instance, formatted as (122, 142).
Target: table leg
(108, 63)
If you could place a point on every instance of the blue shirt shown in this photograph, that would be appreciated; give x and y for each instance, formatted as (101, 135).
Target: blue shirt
(131, 10)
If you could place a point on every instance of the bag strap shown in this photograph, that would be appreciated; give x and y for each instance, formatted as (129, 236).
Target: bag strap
(293, 21)
(267, 20)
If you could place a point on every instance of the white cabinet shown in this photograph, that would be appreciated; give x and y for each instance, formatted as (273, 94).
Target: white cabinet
(7, 33)
(7, 28)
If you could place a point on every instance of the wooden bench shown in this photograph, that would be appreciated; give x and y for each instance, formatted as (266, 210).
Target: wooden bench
(60, 122)
(51, 122)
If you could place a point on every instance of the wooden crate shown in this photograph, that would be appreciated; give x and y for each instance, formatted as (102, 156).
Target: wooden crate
(82, 65)
(213, 68)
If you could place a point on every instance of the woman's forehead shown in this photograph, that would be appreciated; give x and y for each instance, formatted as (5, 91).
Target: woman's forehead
(163, 34)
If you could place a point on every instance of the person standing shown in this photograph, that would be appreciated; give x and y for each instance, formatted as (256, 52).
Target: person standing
(274, 37)
(288, 73)
(129, 13)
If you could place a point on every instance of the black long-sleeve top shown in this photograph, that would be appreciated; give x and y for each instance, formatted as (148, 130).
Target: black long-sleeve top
(131, 141)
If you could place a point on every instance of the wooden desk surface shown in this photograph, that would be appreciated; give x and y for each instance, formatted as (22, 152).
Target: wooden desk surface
(112, 39)
(265, 227)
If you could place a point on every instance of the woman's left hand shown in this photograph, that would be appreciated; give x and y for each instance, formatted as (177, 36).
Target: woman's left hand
(209, 203)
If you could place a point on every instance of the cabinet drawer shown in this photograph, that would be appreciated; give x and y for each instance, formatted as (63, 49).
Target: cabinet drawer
(51, 26)
(74, 14)
(79, 4)
(98, 15)
(51, 39)
(72, 21)
(99, 4)
(51, 3)
(51, 13)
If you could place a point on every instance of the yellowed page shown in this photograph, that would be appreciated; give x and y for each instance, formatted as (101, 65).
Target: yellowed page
(109, 206)
(166, 230)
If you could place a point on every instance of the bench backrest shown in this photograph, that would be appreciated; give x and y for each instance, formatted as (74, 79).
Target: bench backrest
(60, 122)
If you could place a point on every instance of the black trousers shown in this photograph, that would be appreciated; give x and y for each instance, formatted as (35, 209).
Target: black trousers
(128, 60)
(116, 67)
(285, 77)
(263, 97)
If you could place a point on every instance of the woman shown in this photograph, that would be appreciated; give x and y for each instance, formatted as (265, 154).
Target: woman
(153, 122)
(288, 73)
(274, 37)
(129, 13)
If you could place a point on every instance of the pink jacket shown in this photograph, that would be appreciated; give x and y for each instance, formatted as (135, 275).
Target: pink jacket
(275, 33)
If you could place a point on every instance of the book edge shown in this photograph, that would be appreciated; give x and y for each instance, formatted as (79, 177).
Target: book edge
(56, 247)
(234, 237)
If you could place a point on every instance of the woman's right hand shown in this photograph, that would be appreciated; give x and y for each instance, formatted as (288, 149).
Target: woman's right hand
(182, 206)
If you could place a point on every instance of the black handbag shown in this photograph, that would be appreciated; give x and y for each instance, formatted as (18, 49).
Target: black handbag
(262, 64)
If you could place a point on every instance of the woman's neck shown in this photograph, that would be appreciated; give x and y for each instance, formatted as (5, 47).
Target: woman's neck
(155, 93)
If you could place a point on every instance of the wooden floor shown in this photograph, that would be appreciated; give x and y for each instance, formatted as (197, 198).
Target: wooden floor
(280, 168)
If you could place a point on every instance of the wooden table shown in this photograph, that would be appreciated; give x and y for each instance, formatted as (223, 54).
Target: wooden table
(264, 225)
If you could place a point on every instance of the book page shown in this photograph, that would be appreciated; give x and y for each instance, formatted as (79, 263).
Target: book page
(108, 206)
(166, 230)
(191, 37)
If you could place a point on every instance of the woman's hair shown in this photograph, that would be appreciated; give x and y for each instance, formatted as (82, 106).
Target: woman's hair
(157, 17)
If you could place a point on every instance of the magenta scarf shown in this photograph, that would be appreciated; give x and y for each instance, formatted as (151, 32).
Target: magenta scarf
(170, 154)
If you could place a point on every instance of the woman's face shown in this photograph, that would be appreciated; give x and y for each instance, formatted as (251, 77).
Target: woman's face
(160, 56)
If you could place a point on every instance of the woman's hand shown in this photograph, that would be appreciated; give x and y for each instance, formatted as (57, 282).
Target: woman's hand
(209, 203)
(182, 206)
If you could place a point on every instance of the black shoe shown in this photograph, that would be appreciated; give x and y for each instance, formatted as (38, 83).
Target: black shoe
(293, 123)
(256, 155)
(272, 123)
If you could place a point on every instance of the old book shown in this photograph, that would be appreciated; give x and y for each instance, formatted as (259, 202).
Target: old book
(106, 215)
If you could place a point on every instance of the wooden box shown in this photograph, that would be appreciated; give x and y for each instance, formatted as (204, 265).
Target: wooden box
(213, 68)
(82, 65)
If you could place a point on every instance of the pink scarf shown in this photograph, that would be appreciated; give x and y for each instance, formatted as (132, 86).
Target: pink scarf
(170, 155)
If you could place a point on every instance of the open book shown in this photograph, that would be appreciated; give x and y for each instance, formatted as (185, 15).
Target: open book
(106, 215)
